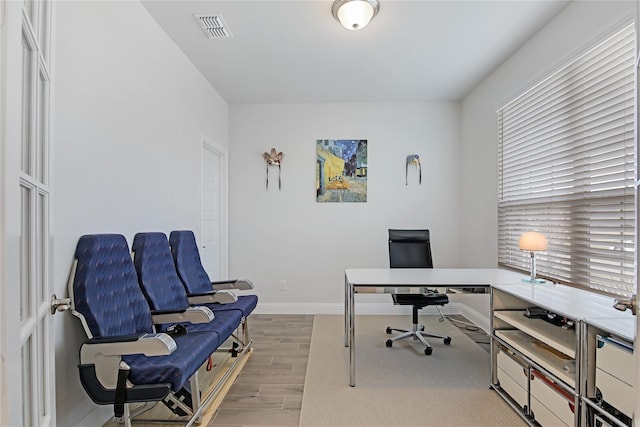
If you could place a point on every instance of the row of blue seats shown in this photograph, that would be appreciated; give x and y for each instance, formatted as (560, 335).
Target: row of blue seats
(152, 320)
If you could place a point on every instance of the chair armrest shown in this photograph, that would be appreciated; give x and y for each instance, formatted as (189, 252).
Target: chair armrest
(219, 297)
(200, 314)
(105, 354)
(147, 344)
(241, 285)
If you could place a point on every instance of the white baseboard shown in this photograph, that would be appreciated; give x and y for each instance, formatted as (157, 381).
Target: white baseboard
(370, 308)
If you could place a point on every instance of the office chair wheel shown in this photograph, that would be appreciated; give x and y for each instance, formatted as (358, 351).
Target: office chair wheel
(447, 340)
(428, 351)
(389, 343)
(388, 332)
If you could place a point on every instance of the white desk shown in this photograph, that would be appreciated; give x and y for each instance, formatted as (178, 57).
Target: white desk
(388, 280)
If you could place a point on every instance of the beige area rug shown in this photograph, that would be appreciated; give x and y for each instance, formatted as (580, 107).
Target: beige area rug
(399, 386)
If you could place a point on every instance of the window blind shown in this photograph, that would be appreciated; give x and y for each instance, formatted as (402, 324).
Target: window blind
(566, 168)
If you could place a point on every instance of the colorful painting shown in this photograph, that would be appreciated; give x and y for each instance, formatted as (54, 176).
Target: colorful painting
(341, 170)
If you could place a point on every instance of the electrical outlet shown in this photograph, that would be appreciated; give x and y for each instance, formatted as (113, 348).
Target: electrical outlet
(283, 285)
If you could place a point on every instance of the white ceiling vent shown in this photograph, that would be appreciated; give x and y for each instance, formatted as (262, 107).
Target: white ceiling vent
(214, 26)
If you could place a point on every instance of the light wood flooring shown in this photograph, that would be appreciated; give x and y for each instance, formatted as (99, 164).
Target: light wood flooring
(268, 391)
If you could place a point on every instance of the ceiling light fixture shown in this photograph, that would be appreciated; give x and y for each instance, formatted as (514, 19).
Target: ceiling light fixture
(355, 14)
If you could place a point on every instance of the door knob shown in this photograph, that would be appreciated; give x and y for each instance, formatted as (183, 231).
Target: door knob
(59, 304)
(626, 304)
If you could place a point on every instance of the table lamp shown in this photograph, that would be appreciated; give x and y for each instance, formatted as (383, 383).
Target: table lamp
(533, 241)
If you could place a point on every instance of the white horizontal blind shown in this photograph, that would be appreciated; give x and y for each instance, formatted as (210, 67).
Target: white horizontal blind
(566, 169)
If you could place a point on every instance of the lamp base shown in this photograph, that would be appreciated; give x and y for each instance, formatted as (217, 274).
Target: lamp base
(533, 280)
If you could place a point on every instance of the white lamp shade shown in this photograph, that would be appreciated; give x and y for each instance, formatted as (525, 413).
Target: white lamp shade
(533, 241)
(355, 14)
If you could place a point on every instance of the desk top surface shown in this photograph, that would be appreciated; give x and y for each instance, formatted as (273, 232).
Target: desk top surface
(568, 301)
(430, 276)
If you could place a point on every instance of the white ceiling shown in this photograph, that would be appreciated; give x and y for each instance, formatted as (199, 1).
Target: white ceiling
(295, 51)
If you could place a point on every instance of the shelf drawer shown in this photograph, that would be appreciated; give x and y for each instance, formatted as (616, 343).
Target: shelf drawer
(616, 360)
(513, 366)
(546, 393)
(512, 388)
(512, 377)
(544, 416)
(615, 392)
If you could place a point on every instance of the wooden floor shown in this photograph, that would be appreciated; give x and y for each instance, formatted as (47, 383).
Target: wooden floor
(268, 391)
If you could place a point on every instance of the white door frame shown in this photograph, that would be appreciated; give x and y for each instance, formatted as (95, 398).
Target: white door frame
(10, 71)
(223, 176)
(27, 353)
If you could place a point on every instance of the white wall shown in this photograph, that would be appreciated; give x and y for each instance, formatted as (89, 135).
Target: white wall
(286, 235)
(129, 113)
(576, 28)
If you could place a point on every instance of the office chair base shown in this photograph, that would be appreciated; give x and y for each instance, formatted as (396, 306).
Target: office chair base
(418, 334)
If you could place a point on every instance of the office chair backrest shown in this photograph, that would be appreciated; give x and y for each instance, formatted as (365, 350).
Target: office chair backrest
(409, 249)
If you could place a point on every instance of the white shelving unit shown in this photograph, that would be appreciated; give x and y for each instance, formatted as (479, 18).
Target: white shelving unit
(547, 372)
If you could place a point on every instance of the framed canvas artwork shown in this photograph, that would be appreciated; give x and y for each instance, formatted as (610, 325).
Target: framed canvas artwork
(341, 170)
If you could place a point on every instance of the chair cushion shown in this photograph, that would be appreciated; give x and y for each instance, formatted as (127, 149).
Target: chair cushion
(176, 368)
(244, 305)
(194, 348)
(420, 300)
(223, 325)
(157, 272)
(105, 287)
(410, 249)
(187, 261)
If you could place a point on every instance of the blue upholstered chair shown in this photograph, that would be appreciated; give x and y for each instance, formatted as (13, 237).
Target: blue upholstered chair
(196, 280)
(124, 359)
(165, 293)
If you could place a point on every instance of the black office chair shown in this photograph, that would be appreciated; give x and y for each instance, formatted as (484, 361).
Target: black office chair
(412, 249)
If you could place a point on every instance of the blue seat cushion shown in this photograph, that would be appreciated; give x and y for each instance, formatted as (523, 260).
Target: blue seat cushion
(245, 304)
(157, 273)
(105, 287)
(188, 263)
(225, 322)
(176, 368)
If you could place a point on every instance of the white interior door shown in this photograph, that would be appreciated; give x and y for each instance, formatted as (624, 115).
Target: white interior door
(26, 373)
(213, 240)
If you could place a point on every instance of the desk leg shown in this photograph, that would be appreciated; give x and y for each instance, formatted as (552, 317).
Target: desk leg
(352, 337)
(346, 312)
